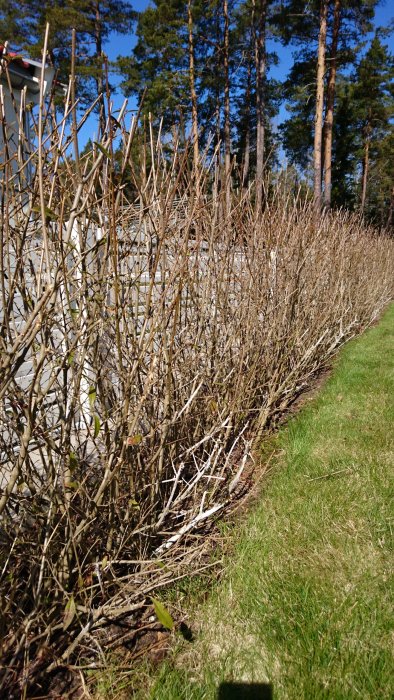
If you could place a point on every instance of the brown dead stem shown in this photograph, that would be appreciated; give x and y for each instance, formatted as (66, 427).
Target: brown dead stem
(145, 341)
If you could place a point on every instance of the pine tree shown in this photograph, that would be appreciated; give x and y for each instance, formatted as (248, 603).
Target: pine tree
(193, 93)
(160, 61)
(205, 64)
(350, 18)
(260, 8)
(379, 202)
(347, 21)
(344, 153)
(319, 105)
(297, 131)
(306, 25)
(374, 98)
(227, 124)
(330, 101)
(256, 95)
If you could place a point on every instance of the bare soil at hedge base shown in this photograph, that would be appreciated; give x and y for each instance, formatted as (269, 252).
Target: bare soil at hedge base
(161, 343)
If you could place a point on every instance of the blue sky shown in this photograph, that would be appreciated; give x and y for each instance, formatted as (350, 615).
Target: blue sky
(119, 44)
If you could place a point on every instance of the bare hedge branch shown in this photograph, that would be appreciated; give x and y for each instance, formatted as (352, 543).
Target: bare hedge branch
(146, 340)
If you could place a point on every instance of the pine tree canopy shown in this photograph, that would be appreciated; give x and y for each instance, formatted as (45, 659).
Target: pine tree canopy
(207, 68)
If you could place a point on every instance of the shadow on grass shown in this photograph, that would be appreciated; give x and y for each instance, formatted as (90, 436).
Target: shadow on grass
(245, 691)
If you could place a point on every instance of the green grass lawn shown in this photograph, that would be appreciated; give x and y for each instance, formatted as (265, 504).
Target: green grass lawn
(306, 603)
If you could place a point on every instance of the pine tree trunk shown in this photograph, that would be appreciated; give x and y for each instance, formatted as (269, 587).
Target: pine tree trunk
(364, 177)
(390, 216)
(317, 147)
(330, 106)
(99, 75)
(217, 183)
(217, 126)
(193, 96)
(246, 158)
(261, 66)
(227, 133)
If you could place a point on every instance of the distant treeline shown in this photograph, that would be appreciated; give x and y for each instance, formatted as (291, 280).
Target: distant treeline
(205, 66)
